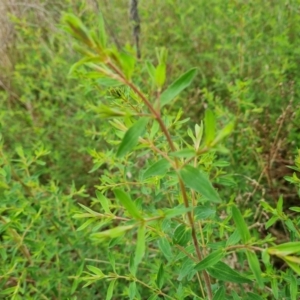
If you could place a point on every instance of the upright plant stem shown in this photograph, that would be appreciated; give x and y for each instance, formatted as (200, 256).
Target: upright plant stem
(164, 129)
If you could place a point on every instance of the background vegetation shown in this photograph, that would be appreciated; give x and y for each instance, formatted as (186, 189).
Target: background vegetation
(247, 55)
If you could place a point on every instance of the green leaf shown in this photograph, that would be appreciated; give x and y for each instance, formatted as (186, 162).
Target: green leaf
(83, 61)
(255, 267)
(140, 245)
(279, 205)
(271, 221)
(295, 208)
(220, 294)
(92, 212)
(185, 153)
(101, 31)
(160, 276)
(78, 30)
(198, 181)
(252, 296)
(103, 201)
(176, 211)
(223, 272)
(235, 295)
(204, 212)
(274, 287)
(165, 248)
(158, 168)
(182, 235)
(233, 239)
(108, 82)
(293, 287)
(96, 271)
(132, 290)
(131, 137)
(160, 71)
(160, 75)
(8, 291)
(132, 267)
(241, 224)
(187, 267)
(128, 63)
(285, 249)
(106, 112)
(151, 70)
(224, 132)
(210, 260)
(110, 290)
(112, 260)
(293, 262)
(128, 204)
(85, 224)
(210, 126)
(111, 233)
(177, 87)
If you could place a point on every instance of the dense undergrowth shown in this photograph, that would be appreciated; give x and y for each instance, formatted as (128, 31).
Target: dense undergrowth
(243, 58)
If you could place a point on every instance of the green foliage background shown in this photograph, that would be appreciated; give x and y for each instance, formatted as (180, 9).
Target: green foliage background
(247, 54)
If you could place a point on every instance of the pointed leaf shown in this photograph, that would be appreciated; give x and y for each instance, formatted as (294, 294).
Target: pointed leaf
(210, 126)
(96, 271)
(210, 260)
(220, 294)
(160, 75)
(223, 272)
(233, 239)
(285, 249)
(104, 202)
(132, 290)
(140, 246)
(101, 31)
(274, 287)
(112, 261)
(255, 267)
(185, 153)
(252, 296)
(240, 224)
(187, 267)
(128, 204)
(176, 211)
(111, 233)
(224, 132)
(204, 212)
(293, 288)
(177, 87)
(279, 205)
(160, 277)
(151, 70)
(182, 235)
(110, 290)
(165, 248)
(198, 181)
(131, 137)
(293, 262)
(158, 168)
(78, 30)
(86, 224)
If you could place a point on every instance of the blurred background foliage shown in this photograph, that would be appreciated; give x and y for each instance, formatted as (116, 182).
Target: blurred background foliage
(247, 54)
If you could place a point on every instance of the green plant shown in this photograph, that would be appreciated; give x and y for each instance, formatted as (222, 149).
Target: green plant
(40, 249)
(179, 237)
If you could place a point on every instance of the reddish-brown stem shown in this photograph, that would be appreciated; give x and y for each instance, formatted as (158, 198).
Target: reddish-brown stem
(164, 129)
